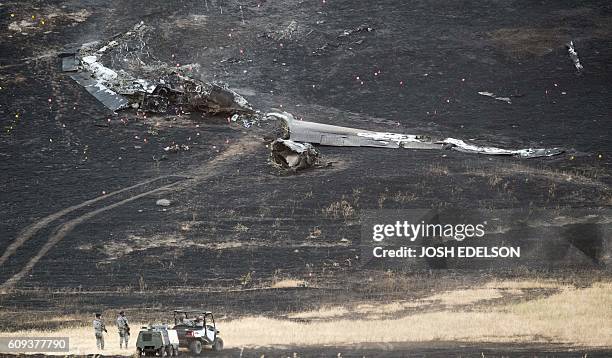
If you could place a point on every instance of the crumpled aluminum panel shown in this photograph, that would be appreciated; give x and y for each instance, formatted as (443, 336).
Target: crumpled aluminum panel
(106, 96)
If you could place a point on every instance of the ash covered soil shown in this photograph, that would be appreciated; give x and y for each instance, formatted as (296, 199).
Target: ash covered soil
(236, 226)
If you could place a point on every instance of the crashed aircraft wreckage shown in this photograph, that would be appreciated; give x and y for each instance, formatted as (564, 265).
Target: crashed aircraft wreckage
(325, 134)
(167, 89)
(289, 155)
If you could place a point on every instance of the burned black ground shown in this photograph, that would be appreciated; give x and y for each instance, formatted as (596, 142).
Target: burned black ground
(418, 71)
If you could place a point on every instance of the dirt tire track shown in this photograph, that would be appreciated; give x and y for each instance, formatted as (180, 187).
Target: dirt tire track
(210, 169)
(32, 229)
(65, 228)
(37, 226)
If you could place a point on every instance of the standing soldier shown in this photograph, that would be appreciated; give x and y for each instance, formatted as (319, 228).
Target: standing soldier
(124, 329)
(99, 328)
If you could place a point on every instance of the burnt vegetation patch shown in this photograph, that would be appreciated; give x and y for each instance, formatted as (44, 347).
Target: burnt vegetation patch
(236, 237)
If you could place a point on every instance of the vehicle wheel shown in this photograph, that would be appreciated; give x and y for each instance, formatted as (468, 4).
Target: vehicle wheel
(161, 352)
(176, 351)
(139, 352)
(218, 345)
(195, 347)
(169, 351)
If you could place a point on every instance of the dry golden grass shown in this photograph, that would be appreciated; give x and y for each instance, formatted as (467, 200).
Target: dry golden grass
(457, 326)
(289, 283)
(404, 197)
(580, 317)
(321, 313)
(241, 228)
(573, 315)
(559, 176)
(339, 210)
(449, 298)
(438, 169)
(387, 308)
(520, 285)
(465, 297)
(367, 309)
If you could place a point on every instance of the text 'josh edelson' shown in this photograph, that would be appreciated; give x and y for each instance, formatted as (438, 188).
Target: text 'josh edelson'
(404, 239)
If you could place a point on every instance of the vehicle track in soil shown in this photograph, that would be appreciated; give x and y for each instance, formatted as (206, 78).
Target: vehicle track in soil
(124, 196)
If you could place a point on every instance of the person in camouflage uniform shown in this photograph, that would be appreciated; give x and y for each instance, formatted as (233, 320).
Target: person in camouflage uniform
(99, 329)
(124, 329)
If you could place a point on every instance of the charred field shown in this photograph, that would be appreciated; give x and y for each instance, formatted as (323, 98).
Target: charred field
(241, 238)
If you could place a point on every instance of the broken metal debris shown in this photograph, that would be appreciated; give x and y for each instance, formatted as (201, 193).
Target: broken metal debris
(362, 28)
(111, 99)
(289, 155)
(248, 120)
(292, 31)
(325, 134)
(163, 202)
(286, 33)
(320, 50)
(235, 60)
(343, 40)
(168, 89)
(461, 146)
(176, 148)
(69, 62)
(489, 94)
(573, 54)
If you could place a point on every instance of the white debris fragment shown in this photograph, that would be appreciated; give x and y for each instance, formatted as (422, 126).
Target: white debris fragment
(126, 90)
(288, 32)
(239, 99)
(176, 148)
(102, 74)
(249, 120)
(163, 202)
(21, 26)
(362, 28)
(103, 88)
(326, 134)
(89, 59)
(319, 133)
(390, 137)
(110, 45)
(294, 156)
(489, 94)
(573, 54)
(461, 146)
